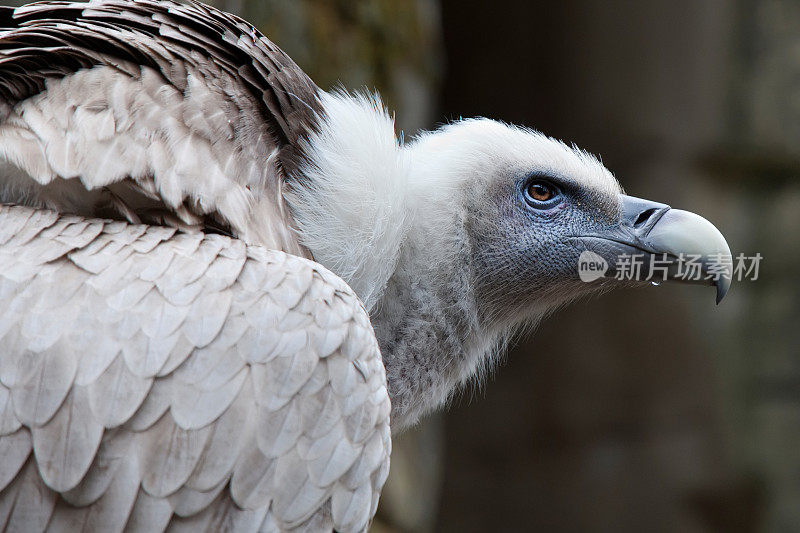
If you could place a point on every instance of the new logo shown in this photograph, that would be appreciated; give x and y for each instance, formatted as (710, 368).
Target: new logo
(591, 266)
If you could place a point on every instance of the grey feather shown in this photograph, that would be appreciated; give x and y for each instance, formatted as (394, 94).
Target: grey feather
(27, 503)
(298, 496)
(146, 356)
(187, 501)
(351, 508)
(225, 444)
(114, 449)
(66, 444)
(38, 398)
(154, 406)
(194, 408)
(111, 511)
(14, 449)
(66, 518)
(149, 514)
(208, 313)
(9, 423)
(117, 394)
(211, 367)
(222, 515)
(278, 430)
(330, 457)
(168, 455)
(253, 479)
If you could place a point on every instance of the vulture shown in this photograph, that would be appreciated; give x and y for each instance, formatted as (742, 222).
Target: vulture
(223, 288)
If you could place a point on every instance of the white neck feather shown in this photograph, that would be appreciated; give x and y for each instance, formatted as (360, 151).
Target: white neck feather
(381, 215)
(352, 217)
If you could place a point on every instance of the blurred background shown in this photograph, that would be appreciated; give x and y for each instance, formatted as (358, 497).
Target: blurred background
(645, 410)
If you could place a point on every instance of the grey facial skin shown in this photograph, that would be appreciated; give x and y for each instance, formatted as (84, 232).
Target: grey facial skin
(532, 253)
(656, 232)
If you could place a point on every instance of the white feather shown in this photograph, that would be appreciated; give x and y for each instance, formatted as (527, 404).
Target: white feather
(65, 446)
(168, 454)
(103, 125)
(9, 423)
(14, 449)
(117, 394)
(358, 179)
(226, 442)
(149, 514)
(27, 503)
(111, 511)
(193, 407)
(214, 419)
(114, 449)
(38, 398)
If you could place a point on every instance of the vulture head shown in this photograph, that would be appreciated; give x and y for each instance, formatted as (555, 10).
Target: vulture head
(456, 238)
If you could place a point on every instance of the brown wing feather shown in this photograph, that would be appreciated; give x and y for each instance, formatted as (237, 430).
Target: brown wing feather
(234, 95)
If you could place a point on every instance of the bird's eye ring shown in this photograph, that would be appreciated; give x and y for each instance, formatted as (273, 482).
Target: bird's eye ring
(540, 193)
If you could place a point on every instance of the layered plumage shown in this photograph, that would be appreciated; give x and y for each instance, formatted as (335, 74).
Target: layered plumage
(215, 276)
(147, 372)
(154, 377)
(152, 110)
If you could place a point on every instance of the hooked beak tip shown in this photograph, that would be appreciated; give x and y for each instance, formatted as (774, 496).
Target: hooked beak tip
(723, 285)
(682, 232)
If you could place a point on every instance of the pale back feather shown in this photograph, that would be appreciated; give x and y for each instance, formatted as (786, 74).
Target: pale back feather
(153, 111)
(152, 378)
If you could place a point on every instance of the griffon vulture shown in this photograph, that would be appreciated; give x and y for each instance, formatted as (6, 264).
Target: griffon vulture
(221, 286)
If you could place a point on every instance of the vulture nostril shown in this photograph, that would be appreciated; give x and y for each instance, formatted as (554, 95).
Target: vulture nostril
(644, 216)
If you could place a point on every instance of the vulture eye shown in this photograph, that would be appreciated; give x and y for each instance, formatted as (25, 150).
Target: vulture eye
(540, 193)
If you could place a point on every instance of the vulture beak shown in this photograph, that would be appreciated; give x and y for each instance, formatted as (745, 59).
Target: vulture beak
(654, 242)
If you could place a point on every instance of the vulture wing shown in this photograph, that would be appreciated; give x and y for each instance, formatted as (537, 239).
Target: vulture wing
(152, 111)
(151, 377)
